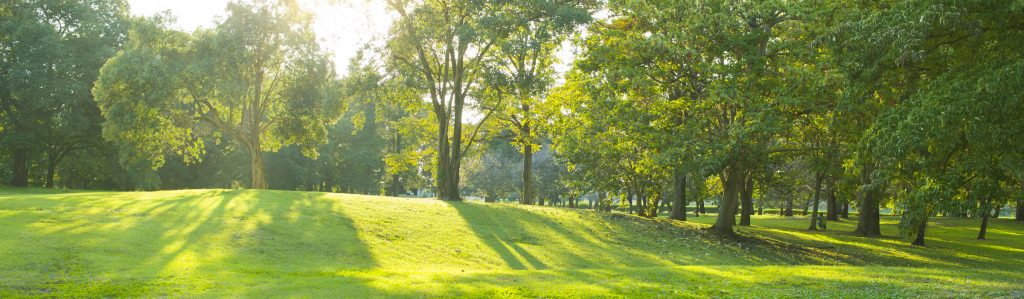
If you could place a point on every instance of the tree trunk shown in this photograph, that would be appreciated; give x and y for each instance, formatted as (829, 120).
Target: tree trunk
(833, 206)
(442, 156)
(995, 212)
(845, 213)
(1020, 210)
(747, 196)
(807, 205)
(258, 179)
(396, 180)
(19, 161)
(51, 168)
(732, 179)
(449, 154)
(528, 171)
(679, 195)
(868, 222)
(629, 198)
(817, 200)
(702, 209)
(985, 213)
(919, 241)
(788, 211)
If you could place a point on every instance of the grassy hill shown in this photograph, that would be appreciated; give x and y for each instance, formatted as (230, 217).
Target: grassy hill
(209, 243)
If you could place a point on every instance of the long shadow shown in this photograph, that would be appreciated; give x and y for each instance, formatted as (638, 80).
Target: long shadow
(169, 243)
(615, 241)
(489, 230)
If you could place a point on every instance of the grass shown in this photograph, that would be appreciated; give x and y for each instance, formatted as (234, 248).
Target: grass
(238, 243)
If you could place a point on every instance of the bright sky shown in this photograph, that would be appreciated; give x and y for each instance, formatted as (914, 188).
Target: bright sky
(342, 28)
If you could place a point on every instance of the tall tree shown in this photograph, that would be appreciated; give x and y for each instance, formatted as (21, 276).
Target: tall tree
(258, 77)
(520, 73)
(442, 45)
(50, 53)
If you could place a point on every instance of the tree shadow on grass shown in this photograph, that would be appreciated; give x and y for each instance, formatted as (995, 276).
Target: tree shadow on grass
(549, 238)
(499, 236)
(170, 243)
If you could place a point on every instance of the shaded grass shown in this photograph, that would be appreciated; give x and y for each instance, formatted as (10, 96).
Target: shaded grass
(212, 243)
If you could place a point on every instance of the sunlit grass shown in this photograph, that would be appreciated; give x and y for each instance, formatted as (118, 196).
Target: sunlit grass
(275, 243)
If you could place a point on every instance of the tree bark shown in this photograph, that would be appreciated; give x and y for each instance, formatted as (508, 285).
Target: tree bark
(396, 180)
(986, 211)
(51, 168)
(833, 206)
(868, 222)
(788, 211)
(528, 170)
(845, 213)
(629, 198)
(19, 165)
(747, 197)
(1020, 210)
(732, 178)
(679, 195)
(919, 241)
(259, 180)
(817, 200)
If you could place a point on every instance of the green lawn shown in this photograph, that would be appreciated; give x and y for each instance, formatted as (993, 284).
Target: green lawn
(213, 243)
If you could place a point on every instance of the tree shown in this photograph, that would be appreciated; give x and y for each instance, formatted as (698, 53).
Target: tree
(491, 171)
(49, 56)
(954, 132)
(442, 45)
(519, 74)
(258, 77)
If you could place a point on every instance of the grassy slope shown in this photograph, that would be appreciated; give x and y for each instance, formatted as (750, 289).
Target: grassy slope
(267, 243)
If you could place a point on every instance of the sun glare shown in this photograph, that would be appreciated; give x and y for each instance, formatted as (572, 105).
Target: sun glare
(342, 28)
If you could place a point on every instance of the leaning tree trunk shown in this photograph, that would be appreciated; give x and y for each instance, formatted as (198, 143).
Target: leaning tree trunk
(19, 166)
(818, 177)
(731, 184)
(679, 195)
